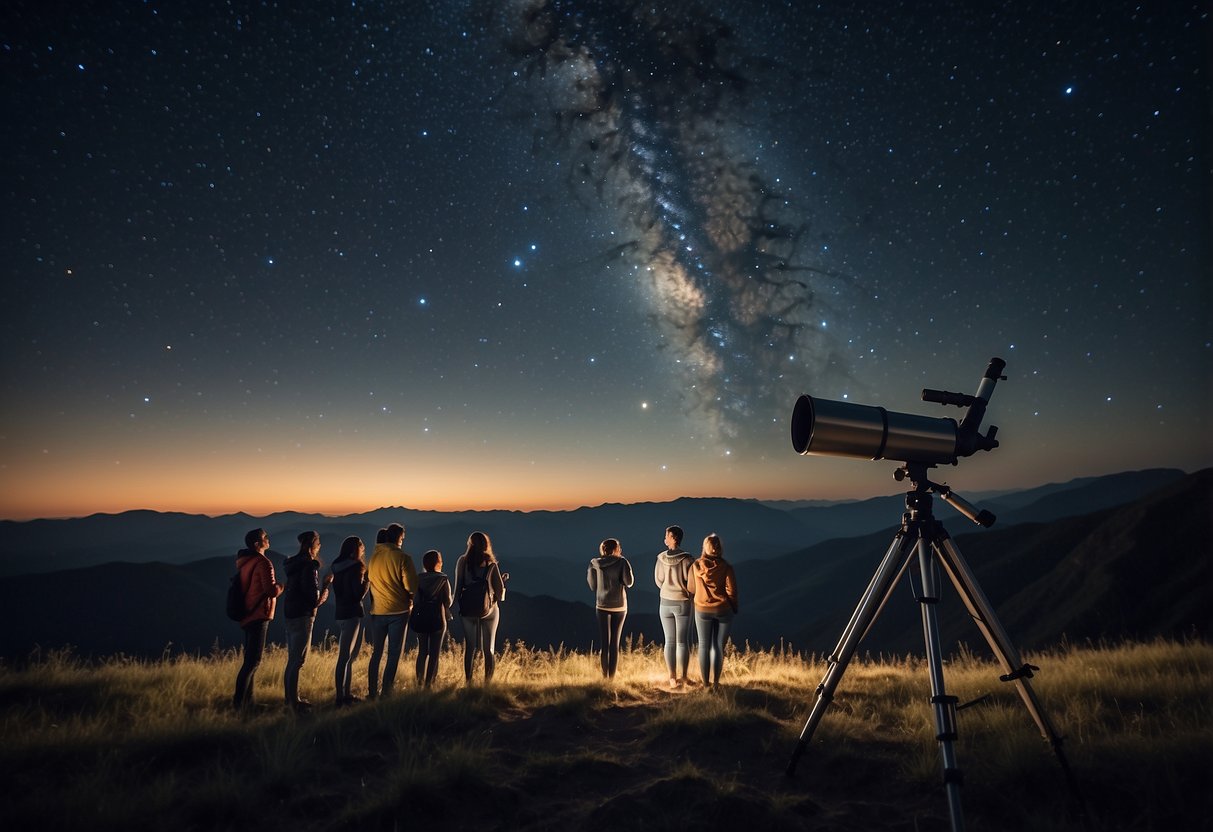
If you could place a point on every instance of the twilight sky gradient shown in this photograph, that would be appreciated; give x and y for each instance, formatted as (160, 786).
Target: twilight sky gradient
(338, 255)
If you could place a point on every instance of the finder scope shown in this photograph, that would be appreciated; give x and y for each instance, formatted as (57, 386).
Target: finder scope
(832, 428)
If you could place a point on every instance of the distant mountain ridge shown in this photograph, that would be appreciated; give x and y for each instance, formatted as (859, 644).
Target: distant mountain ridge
(751, 529)
(1135, 569)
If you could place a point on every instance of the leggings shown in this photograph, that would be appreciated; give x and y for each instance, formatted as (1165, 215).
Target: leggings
(610, 632)
(254, 649)
(713, 630)
(480, 634)
(428, 647)
(349, 644)
(676, 622)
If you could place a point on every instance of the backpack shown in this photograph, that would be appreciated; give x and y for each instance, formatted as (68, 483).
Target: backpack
(427, 611)
(476, 597)
(235, 599)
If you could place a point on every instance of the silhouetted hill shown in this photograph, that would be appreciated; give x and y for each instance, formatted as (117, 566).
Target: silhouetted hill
(751, 529)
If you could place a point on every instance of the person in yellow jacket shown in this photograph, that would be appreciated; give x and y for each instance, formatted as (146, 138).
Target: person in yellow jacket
(713, 585)
(393, 580)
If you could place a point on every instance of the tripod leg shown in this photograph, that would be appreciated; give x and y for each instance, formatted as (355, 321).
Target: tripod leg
(944, 705)
(1014, 668)
(870, 604)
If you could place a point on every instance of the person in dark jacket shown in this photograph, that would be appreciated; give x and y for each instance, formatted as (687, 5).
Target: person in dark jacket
(431, 608)
(302, 595)
(609, 576)
(260, 594)
(350, 585)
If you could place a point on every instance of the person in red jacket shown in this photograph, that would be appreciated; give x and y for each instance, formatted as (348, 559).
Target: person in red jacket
(260, 596)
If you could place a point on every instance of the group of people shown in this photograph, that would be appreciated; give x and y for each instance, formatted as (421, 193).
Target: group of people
(400, 600)
(702, 591)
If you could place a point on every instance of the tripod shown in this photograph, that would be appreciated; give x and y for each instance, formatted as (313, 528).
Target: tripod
(923, 538)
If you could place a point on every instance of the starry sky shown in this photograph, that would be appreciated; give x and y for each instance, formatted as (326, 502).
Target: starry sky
(547, 253)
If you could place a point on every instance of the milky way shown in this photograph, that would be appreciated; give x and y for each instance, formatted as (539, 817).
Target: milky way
(651, 112)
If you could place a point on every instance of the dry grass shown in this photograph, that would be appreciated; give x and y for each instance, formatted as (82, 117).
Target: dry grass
(134, 745)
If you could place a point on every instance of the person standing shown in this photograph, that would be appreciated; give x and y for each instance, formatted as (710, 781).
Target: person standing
(431, 608)
(260, 596)
(713, 585)
(302, 595)
(350, 585)
(393, 582)
(479, 588)
(609, 575)
(671, 574)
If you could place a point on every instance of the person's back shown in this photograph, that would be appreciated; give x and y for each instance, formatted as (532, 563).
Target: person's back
(302, 587)
(715, 584)
(613, 576)
(389, 572)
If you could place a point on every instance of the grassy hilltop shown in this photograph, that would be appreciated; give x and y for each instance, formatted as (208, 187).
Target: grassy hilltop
(153, 744)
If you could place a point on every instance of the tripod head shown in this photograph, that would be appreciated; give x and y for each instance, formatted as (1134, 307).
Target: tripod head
(920, 494)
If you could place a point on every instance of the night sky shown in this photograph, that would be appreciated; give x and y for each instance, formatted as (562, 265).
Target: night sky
(334, 256)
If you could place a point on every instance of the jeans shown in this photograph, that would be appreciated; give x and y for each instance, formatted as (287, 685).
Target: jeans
(428, 647)
(254, 649)
(610, 632)
(392, 629)
(676, 622)
(480, 634)
(298, 642)
(713, 630)
(349, 644)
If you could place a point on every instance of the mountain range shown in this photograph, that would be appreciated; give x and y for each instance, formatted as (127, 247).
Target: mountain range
(1119, 556)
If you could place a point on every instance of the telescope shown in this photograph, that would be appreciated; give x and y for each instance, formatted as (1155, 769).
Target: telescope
(831, 428)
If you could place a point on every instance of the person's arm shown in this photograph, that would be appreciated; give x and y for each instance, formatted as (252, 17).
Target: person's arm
(658, 575)
(408, 575)
(691, 580)
(591, 577)
(324, 587)
(498, 583)
(730, 588)
(628, 577)
(460, 575)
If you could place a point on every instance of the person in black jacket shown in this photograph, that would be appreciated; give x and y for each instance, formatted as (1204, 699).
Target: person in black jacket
(350, 585)
(302, 595)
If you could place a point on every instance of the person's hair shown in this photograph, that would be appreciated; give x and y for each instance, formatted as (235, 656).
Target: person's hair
(254, 536)
(349, 551)
(677, 532)
(713, 546)
(381, 536)
(479, 551)
(349, 548)
(609, 547)
(430, 560)
(306, 539)
(394, 533)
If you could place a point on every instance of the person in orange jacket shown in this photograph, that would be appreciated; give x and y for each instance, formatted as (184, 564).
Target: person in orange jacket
(261, 592)
(713, 585)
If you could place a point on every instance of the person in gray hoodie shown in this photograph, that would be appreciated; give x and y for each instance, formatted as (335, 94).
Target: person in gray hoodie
(670, 573)
(609, 576)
